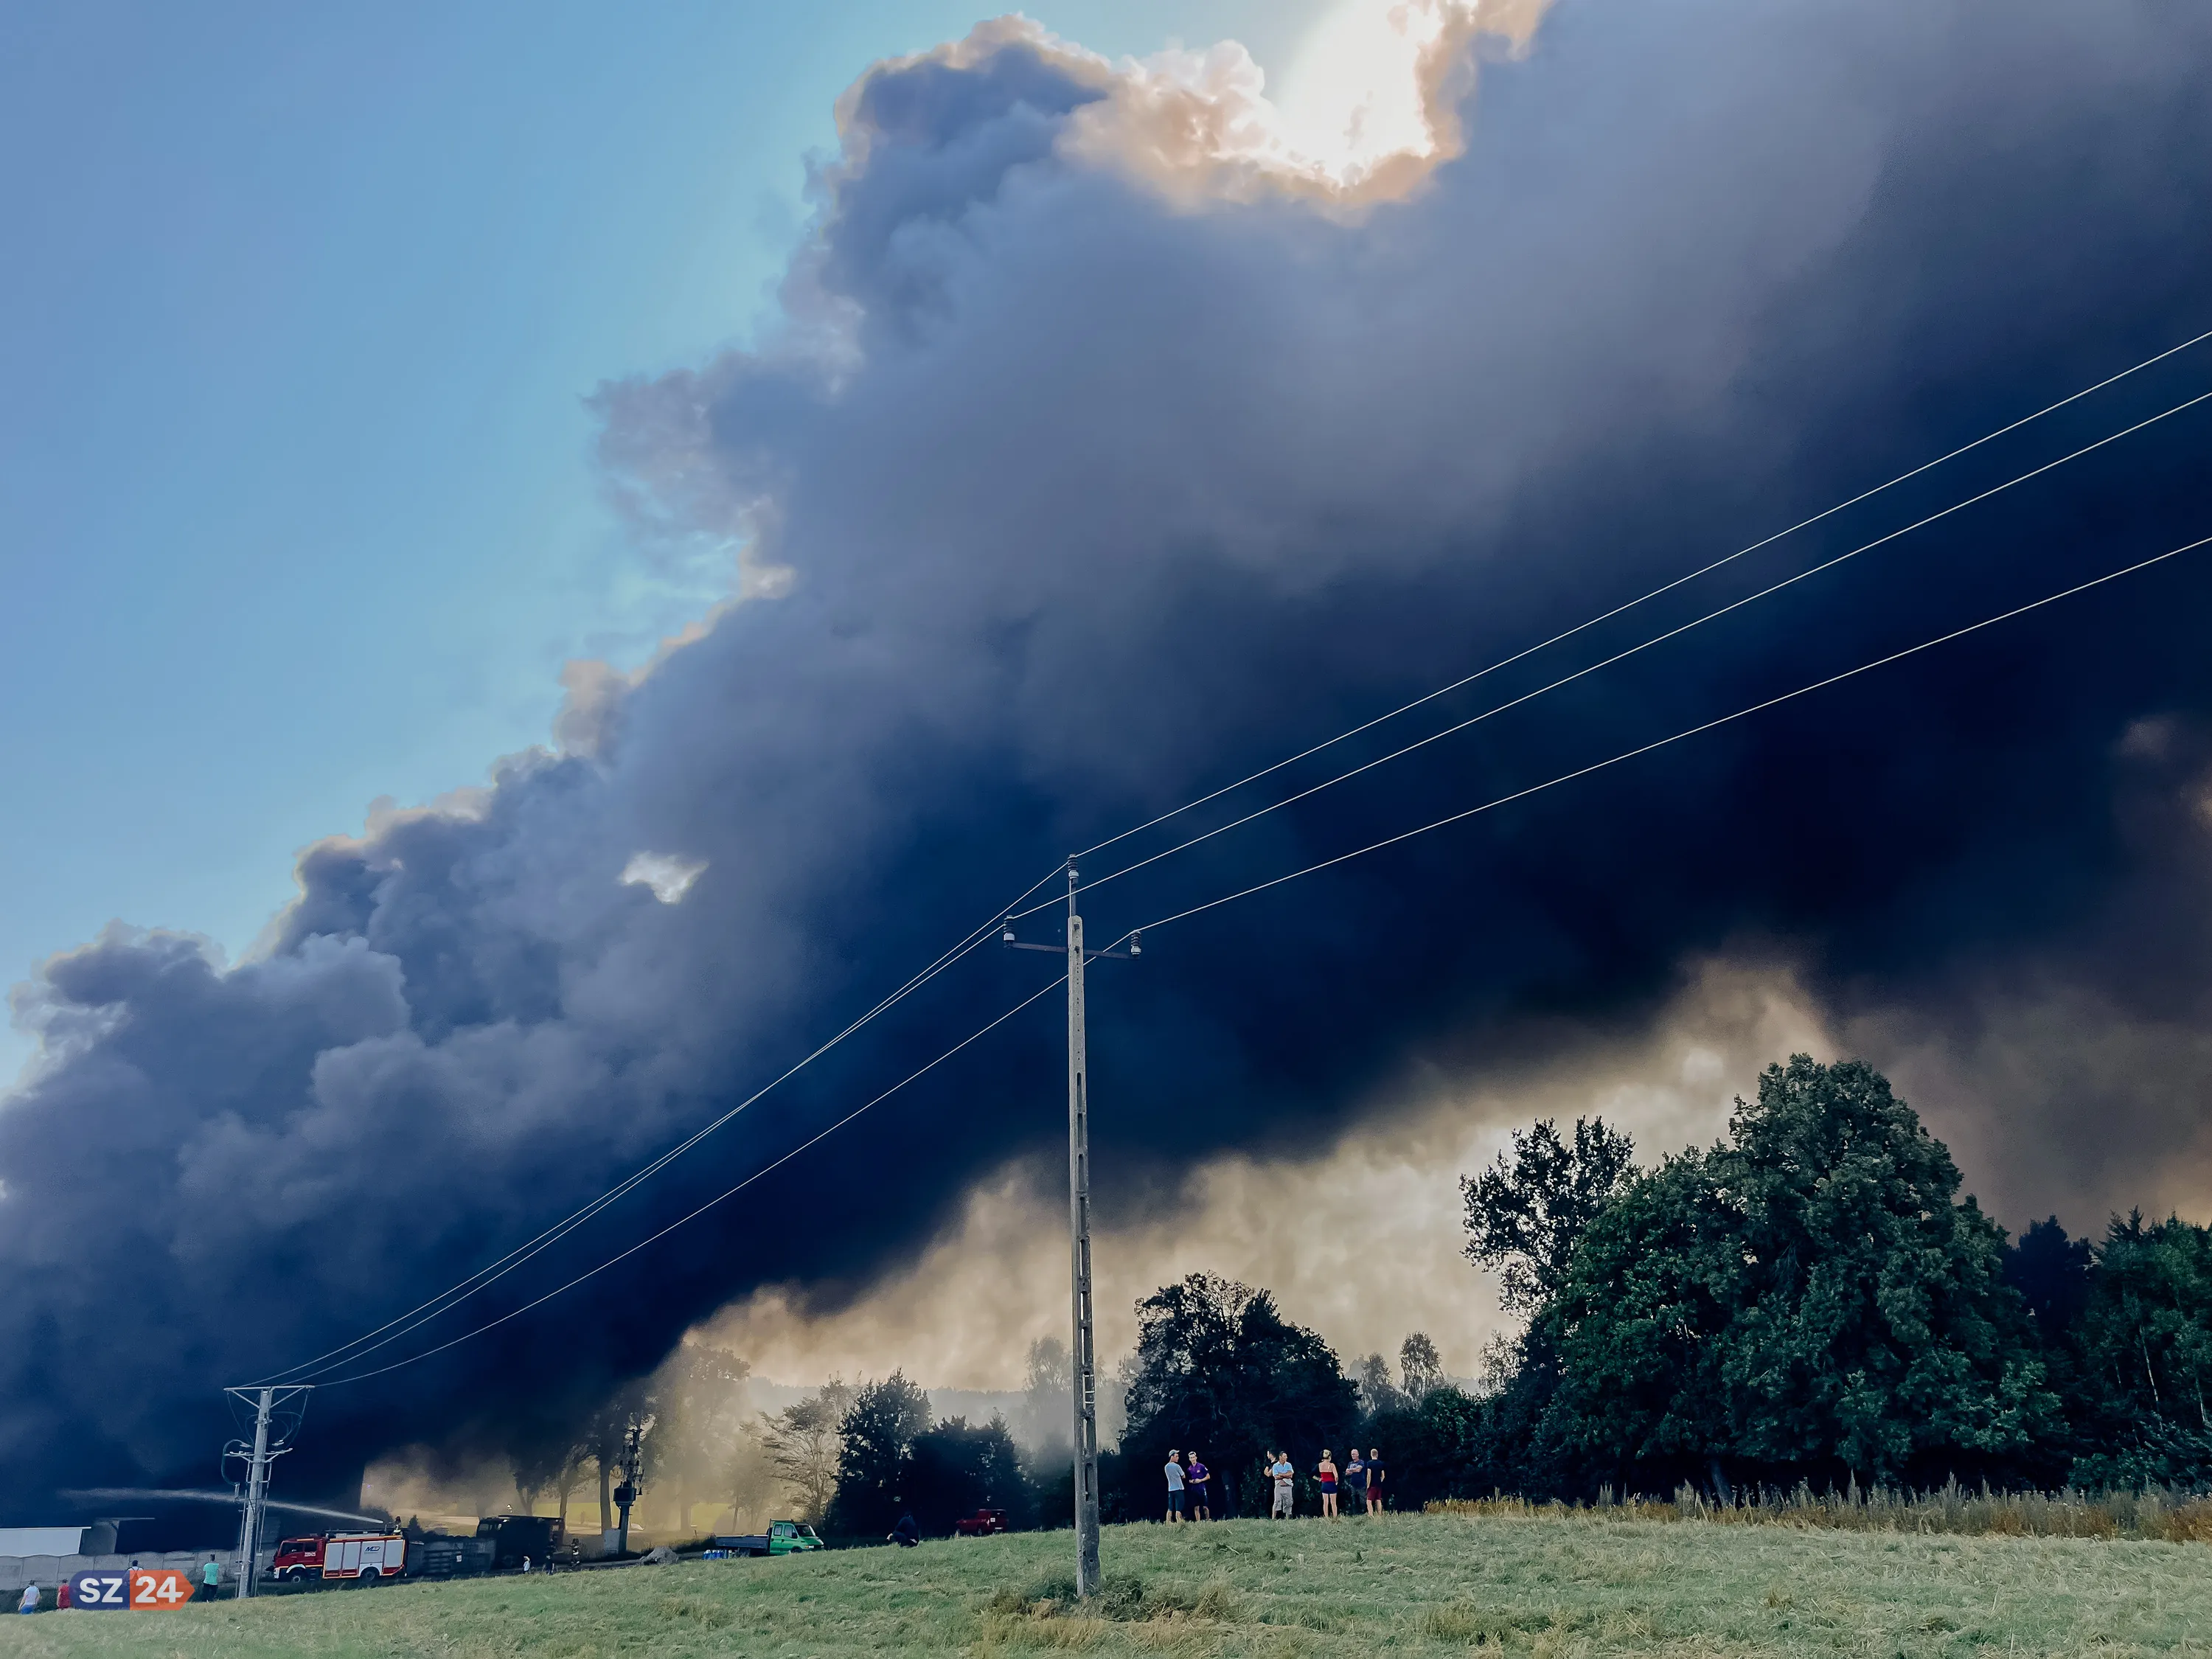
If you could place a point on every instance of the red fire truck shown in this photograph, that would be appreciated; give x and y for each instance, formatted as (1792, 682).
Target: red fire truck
(369, 1558)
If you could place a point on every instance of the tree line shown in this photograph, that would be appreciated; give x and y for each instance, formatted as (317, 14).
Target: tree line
(1813, 1298)
(1217, 1369)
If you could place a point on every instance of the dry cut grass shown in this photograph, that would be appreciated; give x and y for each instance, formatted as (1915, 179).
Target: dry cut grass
(2169, 1518)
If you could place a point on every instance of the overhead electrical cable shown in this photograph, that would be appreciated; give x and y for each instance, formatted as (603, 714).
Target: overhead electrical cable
(399, 1326)
(765, 1170)
(1312, 869)
(1427, 697)
(1678, 737)
(1618, 656)
(463, 1290)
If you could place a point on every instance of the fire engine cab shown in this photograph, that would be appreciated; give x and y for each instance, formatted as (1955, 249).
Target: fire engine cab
(298, 1558)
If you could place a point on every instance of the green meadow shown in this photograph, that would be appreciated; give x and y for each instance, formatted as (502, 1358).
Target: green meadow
(1551, 1585)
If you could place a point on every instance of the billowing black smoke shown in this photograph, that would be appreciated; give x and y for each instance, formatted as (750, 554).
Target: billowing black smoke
(1070, 495)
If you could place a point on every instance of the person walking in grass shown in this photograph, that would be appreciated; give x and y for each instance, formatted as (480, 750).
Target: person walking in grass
(1173, 1472)
(1284, 1474)
(1374, 1480)
(1198, 1489)
(1325, 1473)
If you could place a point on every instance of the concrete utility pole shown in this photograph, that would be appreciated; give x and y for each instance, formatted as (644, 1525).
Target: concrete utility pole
(257, 1489)
(264, 1402)
(1084, 1358)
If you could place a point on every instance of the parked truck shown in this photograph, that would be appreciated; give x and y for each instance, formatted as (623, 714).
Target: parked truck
(540, 1537)
(503, 1543)
(438, 1556)
(781, 1538)
(366, 1558)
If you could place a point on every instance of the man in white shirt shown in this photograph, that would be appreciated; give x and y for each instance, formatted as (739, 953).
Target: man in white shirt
(1284, 1474)
(1173, 1471)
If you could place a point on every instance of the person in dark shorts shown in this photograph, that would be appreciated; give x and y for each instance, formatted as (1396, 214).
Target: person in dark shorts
(1325, 1477)
(1355, 1479)
(1173, 1472)
(1198, 1490)
(1374, 1480)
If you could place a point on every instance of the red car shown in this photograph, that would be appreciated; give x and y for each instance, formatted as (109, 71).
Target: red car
(981, 1524)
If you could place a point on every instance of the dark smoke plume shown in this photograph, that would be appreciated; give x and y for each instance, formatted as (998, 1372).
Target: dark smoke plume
(1069, 494)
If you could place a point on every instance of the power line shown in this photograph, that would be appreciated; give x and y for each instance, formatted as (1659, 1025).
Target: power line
(463, 1289)
(1618, 656)
(732, 1192)
(1664, 587)
(1312, 869)
(423, 1313)
(497, 1270)
(1688, 732)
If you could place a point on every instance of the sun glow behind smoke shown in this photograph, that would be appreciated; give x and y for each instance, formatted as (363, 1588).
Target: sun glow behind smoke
(1368, 107)
(1354, 96)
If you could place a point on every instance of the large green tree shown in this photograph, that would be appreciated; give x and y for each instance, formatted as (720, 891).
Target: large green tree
(804, 1446)
(1528, 1210)
(1810, 1295)
(1525, 1216)
(1218, 1368)
(875, 1455)
(2145, 1353)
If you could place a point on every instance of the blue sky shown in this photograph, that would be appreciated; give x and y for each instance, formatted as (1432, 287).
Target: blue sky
(299, 312)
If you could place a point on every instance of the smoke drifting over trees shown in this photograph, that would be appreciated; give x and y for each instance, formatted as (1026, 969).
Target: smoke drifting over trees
(1073, 490)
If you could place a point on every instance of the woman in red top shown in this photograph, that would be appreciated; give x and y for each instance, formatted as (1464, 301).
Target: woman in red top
(1325, 1473)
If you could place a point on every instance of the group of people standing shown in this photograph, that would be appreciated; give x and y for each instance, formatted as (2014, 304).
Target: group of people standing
(1190, 1487)
(1190, 1483)
(1362, 1476)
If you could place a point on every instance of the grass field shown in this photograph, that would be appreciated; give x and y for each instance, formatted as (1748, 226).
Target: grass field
(1439, 1583)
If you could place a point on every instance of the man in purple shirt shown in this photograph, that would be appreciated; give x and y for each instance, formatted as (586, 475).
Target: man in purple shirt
(1198, 1489)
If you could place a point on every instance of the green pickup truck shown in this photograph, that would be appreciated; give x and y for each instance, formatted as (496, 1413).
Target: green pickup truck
(781, 1538)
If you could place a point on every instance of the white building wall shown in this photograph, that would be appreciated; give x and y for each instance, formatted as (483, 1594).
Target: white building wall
(48, 1570)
